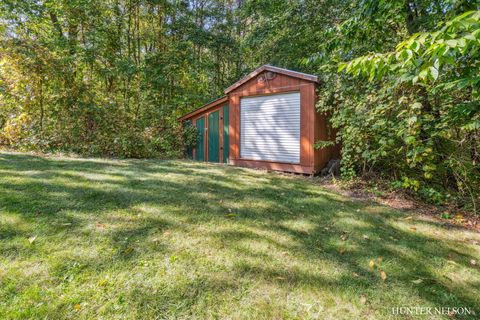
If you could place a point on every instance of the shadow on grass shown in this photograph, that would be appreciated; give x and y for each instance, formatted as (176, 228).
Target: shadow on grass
(43, 191)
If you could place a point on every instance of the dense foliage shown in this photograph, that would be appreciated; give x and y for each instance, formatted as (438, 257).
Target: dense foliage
(428, 114)
(111, 77)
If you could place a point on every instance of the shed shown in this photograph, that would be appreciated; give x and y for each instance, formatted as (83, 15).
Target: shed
(266, 120)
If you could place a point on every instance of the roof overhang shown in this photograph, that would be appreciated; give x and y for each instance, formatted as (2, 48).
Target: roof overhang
(203, 108)
(253, 74)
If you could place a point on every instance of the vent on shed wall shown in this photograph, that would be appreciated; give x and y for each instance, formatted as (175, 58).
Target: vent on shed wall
(270, 128)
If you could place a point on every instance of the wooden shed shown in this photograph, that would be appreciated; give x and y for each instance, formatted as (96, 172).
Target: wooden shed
(265, 120)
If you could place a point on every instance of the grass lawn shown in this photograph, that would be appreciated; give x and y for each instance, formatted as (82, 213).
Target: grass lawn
(145, 239)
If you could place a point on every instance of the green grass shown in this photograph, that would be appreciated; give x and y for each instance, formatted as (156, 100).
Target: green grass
(145, 239)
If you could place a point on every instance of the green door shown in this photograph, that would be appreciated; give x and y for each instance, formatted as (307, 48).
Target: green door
(226, 144)
(213, 137)
(199, 148)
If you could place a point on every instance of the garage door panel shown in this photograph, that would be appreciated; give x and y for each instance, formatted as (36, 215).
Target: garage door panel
(270, 128)
(272, 121)
(279, 154)
(269, 144)
(275, 157)
(277, 118)
(269, 101)
(275, 142)
(275, 110)
(266, 130)
(279, 141)
(261, 135)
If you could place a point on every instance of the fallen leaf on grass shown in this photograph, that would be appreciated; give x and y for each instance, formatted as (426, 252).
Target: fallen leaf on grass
(413, 228)
(371, 264)
(365, 237)
(100, 225)
(418, 281)
(383, 275)
(473, 262)
(32, 239)
(77, 307)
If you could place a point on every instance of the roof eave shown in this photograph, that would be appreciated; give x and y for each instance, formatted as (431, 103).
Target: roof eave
(254, 73)
(205, 107)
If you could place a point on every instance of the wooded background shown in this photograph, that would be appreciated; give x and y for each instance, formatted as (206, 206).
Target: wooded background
(111, 77)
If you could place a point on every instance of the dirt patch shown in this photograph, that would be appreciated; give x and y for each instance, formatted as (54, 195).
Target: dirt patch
(404, 202)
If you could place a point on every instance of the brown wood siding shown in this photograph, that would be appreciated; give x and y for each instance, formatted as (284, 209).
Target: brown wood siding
(280, 84)
(264, 68)
(313, 125)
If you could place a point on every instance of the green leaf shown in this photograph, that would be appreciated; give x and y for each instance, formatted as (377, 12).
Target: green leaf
(410, 139)
(341, 66)
(416, 106)
(434, 73)
(423, 74)
(452, 43)
(472, 126)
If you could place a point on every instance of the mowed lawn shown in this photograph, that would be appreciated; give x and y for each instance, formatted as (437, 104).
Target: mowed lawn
(150, 239)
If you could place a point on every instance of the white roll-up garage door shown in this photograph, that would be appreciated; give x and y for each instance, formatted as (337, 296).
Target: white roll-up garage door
(270, 128)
